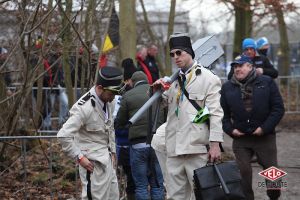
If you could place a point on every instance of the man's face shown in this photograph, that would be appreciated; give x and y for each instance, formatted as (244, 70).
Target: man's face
(181, 58)
(143, 53)
(152, 51)
(104, 94)
(241, 71)
(250, 52)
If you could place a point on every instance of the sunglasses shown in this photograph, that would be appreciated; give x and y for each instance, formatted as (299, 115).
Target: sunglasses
(178, 53)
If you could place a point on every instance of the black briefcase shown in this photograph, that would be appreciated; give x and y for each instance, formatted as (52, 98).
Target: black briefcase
(218, 182)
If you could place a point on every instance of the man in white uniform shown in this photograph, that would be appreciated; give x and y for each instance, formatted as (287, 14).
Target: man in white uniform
(88, 136)
(191, 137)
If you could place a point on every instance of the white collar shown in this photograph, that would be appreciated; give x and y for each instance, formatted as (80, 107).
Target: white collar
(190, 68)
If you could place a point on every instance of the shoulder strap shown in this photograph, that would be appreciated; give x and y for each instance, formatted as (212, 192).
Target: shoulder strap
(193, 102)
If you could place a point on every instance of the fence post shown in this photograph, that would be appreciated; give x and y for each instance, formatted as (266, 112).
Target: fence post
(50, 169)
(24, 167)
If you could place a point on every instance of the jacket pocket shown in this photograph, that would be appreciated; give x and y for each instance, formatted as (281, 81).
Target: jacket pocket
(198, 134)
(199, 98)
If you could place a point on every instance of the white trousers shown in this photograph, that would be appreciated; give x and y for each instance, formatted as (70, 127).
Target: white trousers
(102, 184)
(179, 176)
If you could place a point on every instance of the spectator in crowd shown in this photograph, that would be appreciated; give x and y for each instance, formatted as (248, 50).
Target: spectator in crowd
(55, 80)
(141, 63)
(123, 153)
(151, 62)
(129, 69)
(144, 165)
(252, 107)
(263, 46)
(53, 83)
(88, 136)
(260, 62)
(187, 134)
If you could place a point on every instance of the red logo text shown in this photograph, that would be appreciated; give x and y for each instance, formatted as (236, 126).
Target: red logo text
(272, 173)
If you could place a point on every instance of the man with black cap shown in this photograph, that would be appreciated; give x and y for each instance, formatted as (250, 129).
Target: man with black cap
(194, 119)
(252, 107)
(88, 136)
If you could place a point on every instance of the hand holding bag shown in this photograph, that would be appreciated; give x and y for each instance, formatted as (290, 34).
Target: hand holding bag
(218, 182)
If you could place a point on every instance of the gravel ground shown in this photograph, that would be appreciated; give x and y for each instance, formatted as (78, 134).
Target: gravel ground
(288, 142)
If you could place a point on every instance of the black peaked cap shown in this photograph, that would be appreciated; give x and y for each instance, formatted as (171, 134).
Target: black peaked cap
(110, 77)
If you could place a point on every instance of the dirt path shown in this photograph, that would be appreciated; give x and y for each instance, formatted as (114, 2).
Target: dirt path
(288, 142)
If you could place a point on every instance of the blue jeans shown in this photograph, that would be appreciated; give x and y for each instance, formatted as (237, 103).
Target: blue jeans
(143, 162)
(63, 107)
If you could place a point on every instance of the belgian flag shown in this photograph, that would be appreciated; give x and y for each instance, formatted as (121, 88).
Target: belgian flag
(112, 37)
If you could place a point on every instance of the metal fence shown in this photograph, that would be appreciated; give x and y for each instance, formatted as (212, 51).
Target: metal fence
(289, 88)
(30, 171)
(31, 179)
(290, 91)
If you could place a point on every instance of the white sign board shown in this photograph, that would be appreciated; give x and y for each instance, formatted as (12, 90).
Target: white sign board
(207, 50)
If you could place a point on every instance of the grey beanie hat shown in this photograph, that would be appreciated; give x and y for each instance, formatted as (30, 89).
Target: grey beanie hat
(138, 76)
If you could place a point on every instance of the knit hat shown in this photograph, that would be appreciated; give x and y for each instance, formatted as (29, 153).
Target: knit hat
(110, 78)
(129, 68)
(138, 76)
(241, 59)
(249, 43)
(262, 42)
(181, 41)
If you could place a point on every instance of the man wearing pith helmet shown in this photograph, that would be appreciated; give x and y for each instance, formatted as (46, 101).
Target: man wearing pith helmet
(88, 136)
(192, 137)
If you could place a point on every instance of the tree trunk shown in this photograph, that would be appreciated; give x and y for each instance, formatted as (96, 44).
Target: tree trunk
(67, 39)
(127, 29)
(39, 102)
(284, 59)
(242, 26)
(154, 40)
(86, 58)
(2, 96)
(168, 63)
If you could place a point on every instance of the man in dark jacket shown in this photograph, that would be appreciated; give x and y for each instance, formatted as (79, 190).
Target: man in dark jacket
(151, 62)
(140, 152)
(252, 107)
(260, 62)
(122, 132)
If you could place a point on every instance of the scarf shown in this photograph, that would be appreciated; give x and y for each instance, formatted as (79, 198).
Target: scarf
(246, 86)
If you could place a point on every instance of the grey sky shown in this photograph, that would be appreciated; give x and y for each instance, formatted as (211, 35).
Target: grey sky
(214, 14)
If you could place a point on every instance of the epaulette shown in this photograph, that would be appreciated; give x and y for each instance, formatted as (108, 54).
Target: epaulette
(198, 71)
(84, 99)
(93, 100)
